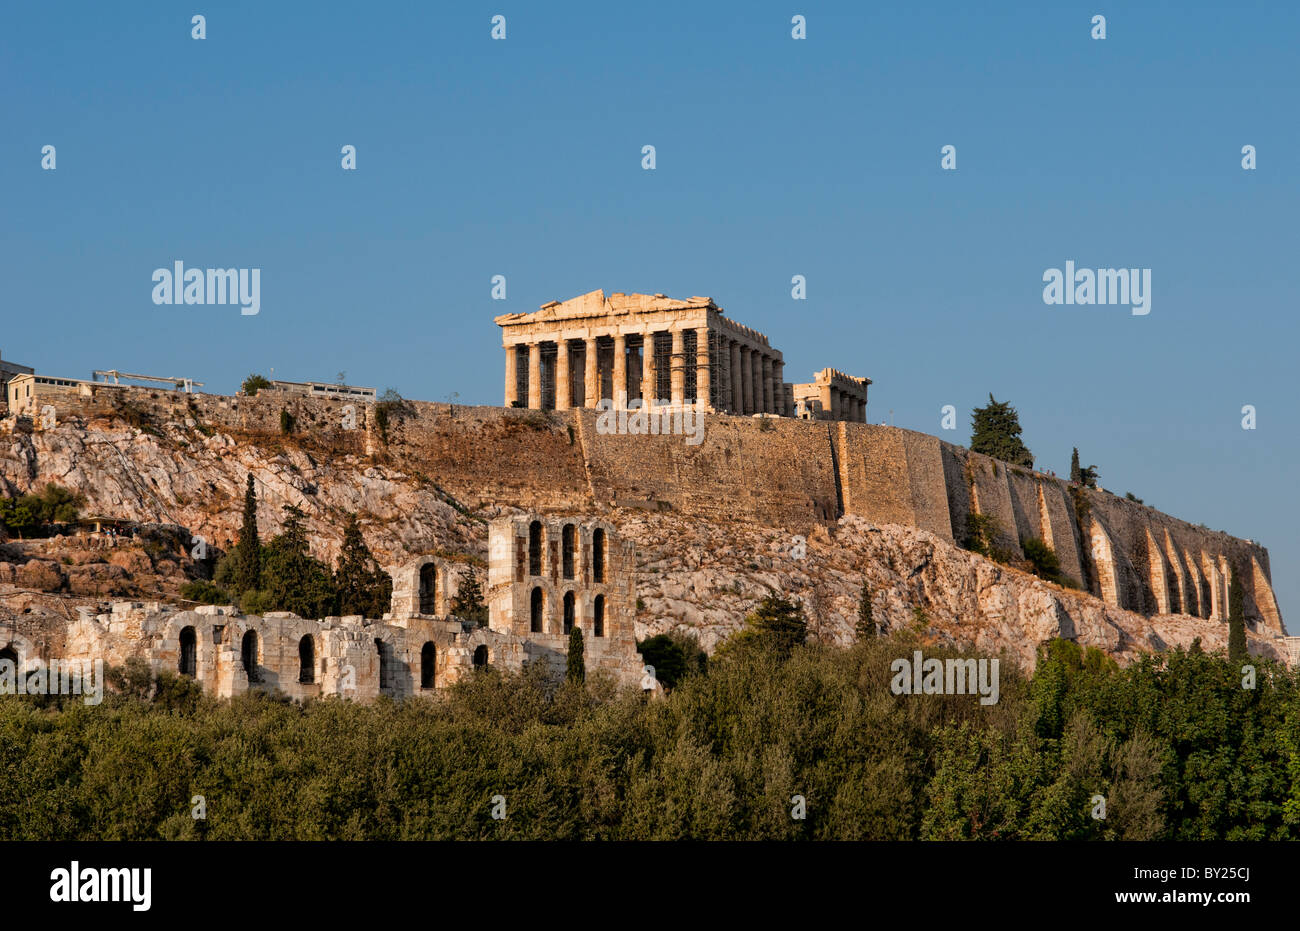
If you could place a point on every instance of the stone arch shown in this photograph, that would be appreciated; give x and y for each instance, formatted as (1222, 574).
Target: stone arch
(598, 554)
(598, 616)
(570, 611)
(306, 659)
(569, 548)
(428, 593)
(188, 664)
(481, 656)
(428, 665)
(537, 610)
(250, 654)
(535, 548)
(385, 652)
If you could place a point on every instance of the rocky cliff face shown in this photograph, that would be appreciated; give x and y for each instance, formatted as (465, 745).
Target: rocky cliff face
(693, 574)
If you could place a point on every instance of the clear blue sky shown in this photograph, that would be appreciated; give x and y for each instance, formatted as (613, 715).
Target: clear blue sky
(775, 157)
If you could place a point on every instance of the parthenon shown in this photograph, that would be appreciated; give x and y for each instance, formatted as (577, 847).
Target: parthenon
(652, 350)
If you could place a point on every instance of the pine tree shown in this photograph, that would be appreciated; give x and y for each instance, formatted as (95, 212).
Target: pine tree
(468, 604)
(248, 552)
(575, 667)
(996, 433)
(1237, 651)
(359, 584)
(866, 626)
(1076, 474)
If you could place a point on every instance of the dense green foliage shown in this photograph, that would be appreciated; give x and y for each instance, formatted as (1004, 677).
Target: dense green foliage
(1174, 743)
(996, 432)
(284, 576)
(253, 383)
(1045, 563)
(673, 657)
(33, 514)
(1237, 652)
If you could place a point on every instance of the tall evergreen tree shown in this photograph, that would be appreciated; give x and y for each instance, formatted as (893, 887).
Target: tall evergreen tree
(1076, 474)
(293, 579)
(248, 552)
(866, 626)
(468, 604)
(996, 433)
(1237, 651)
(575, 666)
(359, 584)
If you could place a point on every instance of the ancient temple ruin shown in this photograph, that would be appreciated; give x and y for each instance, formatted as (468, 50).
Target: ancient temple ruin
(652, 350)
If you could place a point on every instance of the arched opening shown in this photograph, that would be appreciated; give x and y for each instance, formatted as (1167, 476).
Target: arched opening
(535, 611)
(428, 588)
(568, 612)
(598, 556)
(385, 664)
(481, 656)
(248, 654)
(598, 616)
(569, 546)
(10, 654)
(428, 665)
(535, 548)
(306, 660)
(189, 652)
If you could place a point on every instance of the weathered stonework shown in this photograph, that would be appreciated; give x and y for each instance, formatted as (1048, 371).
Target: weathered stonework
(417, 648)
(655, 351)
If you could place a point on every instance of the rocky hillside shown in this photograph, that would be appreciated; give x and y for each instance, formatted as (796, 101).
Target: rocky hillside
(692, 575)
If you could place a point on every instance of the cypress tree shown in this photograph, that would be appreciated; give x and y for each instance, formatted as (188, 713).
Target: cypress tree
(866, 626)
(248, 559)
(1076, 474)
(576, 668)
(468, 604)
(996, 433)
(360, 585)
(1237, 651)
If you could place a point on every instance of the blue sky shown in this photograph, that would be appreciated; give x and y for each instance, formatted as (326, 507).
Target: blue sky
(775, 157)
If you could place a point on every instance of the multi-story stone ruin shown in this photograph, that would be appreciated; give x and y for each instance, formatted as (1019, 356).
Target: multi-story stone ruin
(655, 350)
(546, 577)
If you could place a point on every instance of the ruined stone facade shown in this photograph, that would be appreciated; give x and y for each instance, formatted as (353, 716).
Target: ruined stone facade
(549, 575)
(415, 649)
(647, 349)
(831, 395)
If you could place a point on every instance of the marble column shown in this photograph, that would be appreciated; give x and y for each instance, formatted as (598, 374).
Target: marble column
(678, 370)
(649, 374)
(756, 378)
(512, 376)
(703, 391)
(535, 376)
(620, 371)
(836, 404)
(778, 387)
(734, 386)
(591, 374)
(746, 381)
(563, 386)
(769, 396)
